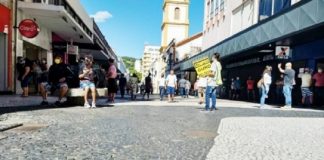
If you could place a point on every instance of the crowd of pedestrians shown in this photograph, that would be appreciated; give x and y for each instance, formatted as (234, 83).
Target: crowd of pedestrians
(60, 77)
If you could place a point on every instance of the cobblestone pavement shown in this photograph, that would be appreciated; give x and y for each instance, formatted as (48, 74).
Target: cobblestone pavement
(148, 130)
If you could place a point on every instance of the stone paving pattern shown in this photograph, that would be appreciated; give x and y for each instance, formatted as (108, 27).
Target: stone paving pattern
(134, 130)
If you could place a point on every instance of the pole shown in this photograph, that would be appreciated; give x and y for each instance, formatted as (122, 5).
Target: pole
(15, 44)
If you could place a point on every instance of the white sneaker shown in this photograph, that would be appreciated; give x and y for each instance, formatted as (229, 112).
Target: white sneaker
(93, 105)
(286, 107)
(87, 105)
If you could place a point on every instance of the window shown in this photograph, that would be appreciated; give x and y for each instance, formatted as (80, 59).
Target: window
(177, 13)
(265, 9)
(212, 7)
(216, 6)
(280, 5)
(222, 4)
(208, 9)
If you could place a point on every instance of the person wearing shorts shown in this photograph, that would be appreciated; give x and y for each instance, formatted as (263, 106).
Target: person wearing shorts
(57, 77)
(87, 81)
(171, 82)
(306, 78)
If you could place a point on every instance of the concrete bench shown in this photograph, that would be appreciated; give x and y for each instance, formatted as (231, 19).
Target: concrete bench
(75, 95)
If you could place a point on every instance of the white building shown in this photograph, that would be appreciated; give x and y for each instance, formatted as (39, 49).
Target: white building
(175, 26)
(224, 18)
(188, 47)
(151, 53)
(138, 65)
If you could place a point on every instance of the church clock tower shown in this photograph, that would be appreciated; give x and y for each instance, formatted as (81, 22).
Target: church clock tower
(175, 23)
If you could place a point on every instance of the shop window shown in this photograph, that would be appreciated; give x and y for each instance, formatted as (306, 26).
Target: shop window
(177, 13)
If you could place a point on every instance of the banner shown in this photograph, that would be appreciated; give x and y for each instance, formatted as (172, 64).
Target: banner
(202, 66)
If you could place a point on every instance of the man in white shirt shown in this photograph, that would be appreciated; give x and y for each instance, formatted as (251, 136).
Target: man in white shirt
(162, 87)
(306, 78)
(211, 83)
(171, 82)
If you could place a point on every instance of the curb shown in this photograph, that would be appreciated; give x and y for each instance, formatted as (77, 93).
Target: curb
(11, 126)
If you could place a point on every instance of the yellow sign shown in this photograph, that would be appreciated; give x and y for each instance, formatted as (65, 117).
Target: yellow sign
(202, 66)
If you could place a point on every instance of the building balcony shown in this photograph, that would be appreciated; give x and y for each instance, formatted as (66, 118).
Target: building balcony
(61, 18)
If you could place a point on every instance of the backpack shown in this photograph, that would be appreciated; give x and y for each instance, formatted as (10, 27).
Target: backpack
(260, 83)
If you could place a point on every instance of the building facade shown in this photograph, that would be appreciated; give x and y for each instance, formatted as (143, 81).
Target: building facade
(138, 65)
(252, 34)
(151, 54)
(175, 27)
(64, 28)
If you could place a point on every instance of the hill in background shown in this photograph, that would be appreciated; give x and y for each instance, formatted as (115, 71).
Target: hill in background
(130, 65)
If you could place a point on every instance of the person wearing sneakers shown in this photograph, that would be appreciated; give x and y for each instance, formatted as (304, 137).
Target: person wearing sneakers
(171, 82)
(289, 82)
(57, 79)
(213, 81)
(86, 76)
(265, 86)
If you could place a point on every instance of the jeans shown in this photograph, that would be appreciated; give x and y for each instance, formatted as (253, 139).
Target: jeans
(162, 92)
(287, 89)
(264, 94)
(210, 93)
(182, 91)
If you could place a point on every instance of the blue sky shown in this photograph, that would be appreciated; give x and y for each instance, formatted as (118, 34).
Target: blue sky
(129, 24)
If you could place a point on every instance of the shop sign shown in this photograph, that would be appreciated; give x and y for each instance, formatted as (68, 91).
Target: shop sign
(202, 66)
(71, 49)
(251, 61)
(282, 52)
(28, 28)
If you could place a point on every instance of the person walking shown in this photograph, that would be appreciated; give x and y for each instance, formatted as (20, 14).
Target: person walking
(162, 87)
(289, 82)
(24, 67)
(265, 85)
(202, 85)
(188, 88)
(250, 89)
(122, 85)
(214, 79)
(306, 79)
(148, 86)
(133, 85)
(87, 83)
(171, 82)
(196, 88)
(57, 79)
(319, 87)
(182, 87)
(111, 80)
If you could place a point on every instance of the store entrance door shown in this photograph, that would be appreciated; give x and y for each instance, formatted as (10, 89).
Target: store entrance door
(3, 62)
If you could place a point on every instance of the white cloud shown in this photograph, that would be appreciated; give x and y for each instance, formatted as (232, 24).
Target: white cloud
(102, 16)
